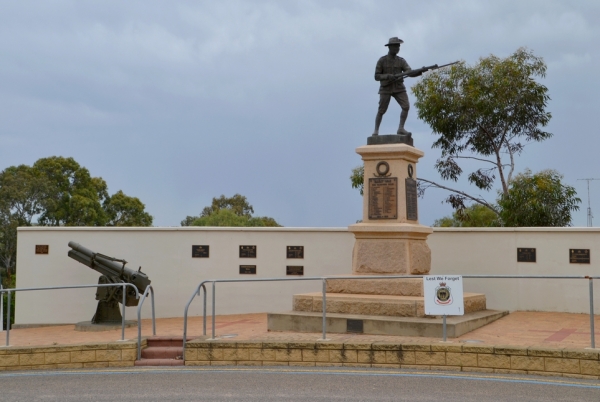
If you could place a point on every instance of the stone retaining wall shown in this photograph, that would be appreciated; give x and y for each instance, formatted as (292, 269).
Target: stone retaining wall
(90, 355)
(577, 363)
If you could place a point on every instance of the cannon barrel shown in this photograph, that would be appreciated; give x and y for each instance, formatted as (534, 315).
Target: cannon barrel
(106, 266)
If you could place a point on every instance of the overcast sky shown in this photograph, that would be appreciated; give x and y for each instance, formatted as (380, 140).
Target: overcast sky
(176, 102)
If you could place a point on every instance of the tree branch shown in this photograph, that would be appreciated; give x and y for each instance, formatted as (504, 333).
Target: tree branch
(477, 200)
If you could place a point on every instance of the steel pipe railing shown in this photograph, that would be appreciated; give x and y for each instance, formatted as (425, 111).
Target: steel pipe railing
(10, 291)
(324, 279)
(139, 316)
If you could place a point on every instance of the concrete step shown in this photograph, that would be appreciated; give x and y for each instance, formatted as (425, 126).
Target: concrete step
(380, 305)
(162, 352)
(397, 287)
(159, 362)
(299, 321)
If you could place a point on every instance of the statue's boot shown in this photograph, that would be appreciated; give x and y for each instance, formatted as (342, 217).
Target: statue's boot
(402, 131)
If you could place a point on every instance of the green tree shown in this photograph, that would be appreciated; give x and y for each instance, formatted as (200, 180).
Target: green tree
(22, 195)
(123, 210)
(75, 197)
(357, 178)
(538, 200)
(59, 192)
(229, 211)
(475, 215)
(485, 114)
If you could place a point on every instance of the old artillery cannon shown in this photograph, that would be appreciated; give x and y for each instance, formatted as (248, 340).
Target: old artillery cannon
(113, 270)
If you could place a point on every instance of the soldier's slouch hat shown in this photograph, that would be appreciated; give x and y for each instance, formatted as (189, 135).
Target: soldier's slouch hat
(394, 41)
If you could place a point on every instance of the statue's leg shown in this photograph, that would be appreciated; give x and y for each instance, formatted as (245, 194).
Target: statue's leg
(402, 99)
(384, 101)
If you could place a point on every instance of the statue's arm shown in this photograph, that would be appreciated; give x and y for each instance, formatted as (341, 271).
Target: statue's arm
(379, 75)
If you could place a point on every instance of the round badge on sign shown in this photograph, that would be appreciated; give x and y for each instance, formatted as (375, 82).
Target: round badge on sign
(443, 296)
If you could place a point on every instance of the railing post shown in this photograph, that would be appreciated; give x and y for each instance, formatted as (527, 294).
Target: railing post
(213, 310)
(153, 314)
(204, 316)
(123, 315)
(8, 319)
(324, 303)
(1, 307)
(444, 327)
(593, 335)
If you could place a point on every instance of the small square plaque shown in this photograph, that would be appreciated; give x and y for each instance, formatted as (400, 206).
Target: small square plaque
(579, 255)
(294, 270)
(355, 326)
(295, 252)
(42, 249)
(525, 254)
(247, 269)
(200, 251)
(247, 251)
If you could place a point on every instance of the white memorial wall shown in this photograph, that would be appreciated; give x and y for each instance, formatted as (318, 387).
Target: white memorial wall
(166, 255)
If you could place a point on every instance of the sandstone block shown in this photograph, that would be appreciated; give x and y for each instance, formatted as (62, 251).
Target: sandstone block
(590, 367)
(261, 354)
(343, 356)
(493, 361)
(400, 357)
(32, 359)
(461, 359)
(430, 358)
(58, 357)
(288, 355)
(235, 354)
(562, 365)
(527, 363)
(371, 356)
(191, 354)
(108, 355)
(83, 356)
(210, 354)
(313, 355)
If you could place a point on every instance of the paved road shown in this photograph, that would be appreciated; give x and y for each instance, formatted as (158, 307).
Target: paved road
(287, 384)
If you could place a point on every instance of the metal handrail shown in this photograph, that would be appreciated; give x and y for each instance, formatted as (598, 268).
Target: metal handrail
(324, 279)
(139, 315)
(1, 306)
(9, 291)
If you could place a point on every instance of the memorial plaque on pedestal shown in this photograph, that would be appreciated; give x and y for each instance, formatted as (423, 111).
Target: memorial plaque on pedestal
(200, 251)
(579, 256)
(295, 252)
(383, 198)
(294, 270)
(247, 251)
(411, 199)
(525, 254)
(247, 269)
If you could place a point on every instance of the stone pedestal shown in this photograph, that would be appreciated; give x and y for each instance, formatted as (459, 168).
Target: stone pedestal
(390, 240)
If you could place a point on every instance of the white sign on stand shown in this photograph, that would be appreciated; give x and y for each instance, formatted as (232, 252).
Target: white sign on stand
(443, 295)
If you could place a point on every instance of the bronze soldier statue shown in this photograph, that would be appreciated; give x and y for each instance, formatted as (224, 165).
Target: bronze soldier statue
(389, 72)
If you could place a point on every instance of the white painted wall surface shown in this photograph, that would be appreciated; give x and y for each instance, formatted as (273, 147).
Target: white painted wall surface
(165, 255)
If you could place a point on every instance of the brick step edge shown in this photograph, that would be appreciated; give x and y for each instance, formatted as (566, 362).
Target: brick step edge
(162, 352)
(159, 362)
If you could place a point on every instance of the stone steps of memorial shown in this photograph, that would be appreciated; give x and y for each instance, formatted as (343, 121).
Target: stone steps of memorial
(376, 305)
(392, 286)
(302, 321)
